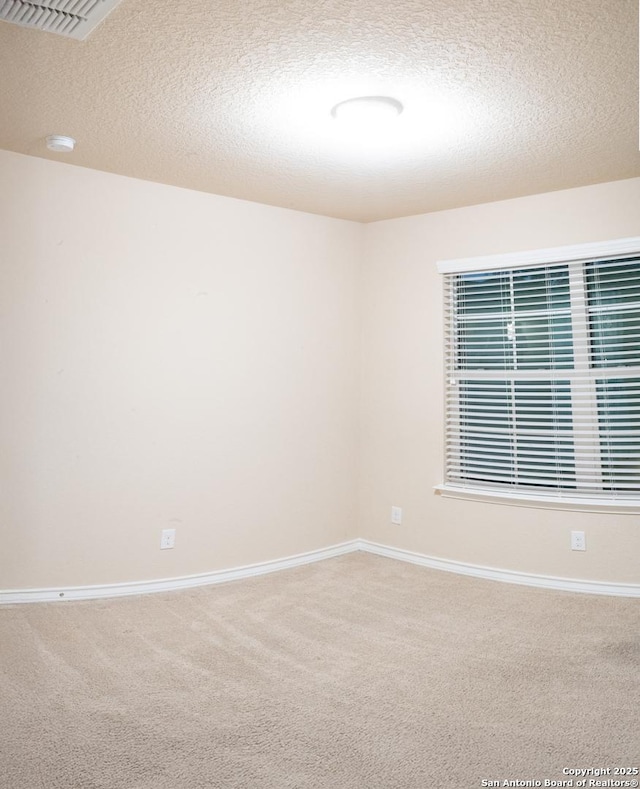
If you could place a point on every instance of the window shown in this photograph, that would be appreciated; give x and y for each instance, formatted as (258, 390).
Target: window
(543, 376)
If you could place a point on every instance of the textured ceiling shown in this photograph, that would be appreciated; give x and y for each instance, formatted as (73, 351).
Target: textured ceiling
(502, 98)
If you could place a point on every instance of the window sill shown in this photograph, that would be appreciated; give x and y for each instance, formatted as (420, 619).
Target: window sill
(552, 502)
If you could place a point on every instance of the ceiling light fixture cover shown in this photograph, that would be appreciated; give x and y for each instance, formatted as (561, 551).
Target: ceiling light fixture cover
(60, 143)
(367, 109)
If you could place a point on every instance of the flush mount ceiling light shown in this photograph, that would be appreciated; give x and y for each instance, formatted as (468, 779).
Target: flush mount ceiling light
(367, 110)
(60, 143)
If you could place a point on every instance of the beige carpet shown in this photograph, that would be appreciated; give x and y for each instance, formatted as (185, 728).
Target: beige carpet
(354, 673)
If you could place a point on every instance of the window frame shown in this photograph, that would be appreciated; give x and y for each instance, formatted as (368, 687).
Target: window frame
(571, 254)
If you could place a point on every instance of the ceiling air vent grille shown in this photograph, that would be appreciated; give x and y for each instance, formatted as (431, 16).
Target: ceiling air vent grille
(72, 18)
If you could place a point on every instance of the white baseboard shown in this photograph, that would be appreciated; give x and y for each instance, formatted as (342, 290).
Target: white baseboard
(168, 584)
(8, 597)
(506, 576)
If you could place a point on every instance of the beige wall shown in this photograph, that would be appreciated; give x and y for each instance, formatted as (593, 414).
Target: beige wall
(175, 359)
(169, 358)
(401, 413)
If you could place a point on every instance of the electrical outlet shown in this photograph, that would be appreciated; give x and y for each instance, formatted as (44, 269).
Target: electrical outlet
(578, 541)
(167, 539)
(396, 515)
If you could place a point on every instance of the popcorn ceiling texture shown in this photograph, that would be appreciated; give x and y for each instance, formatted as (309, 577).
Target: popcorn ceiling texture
(503, 98)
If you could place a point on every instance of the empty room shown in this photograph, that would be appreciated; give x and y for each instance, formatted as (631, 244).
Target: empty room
(320, 343)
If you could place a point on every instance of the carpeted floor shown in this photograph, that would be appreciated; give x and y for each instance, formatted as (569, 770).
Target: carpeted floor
(355, 673)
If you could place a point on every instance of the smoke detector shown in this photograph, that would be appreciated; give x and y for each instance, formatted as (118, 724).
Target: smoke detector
(71, 18)
(60, 143)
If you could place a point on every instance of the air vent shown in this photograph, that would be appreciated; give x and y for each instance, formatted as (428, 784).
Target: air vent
(71, 18)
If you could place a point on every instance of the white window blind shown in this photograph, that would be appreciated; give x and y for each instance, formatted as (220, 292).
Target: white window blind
(543, 379)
